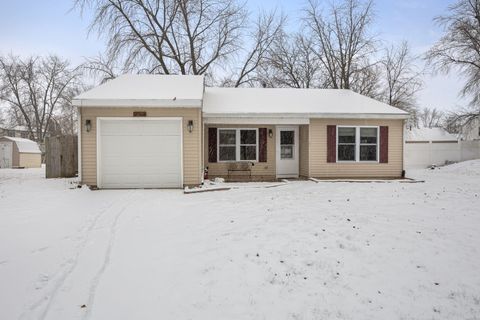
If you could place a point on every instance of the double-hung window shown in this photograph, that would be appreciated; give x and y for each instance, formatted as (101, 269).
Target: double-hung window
(368, 144)
(346, 143)
(227, 145)
(237, 144)
(357, 144)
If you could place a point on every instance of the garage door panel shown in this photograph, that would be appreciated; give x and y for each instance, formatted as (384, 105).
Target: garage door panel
(140, 153)
(140, 146)
(131, 128)
(141, 181)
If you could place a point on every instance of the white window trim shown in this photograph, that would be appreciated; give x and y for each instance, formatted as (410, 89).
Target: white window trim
(357, 144)
(237, 144)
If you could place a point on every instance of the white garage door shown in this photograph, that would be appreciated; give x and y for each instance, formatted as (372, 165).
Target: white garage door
(136, 153)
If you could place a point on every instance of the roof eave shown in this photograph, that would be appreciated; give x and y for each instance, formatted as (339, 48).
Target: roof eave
(309, 115)
(144, 103)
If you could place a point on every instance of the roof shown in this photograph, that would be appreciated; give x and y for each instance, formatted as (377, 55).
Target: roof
(25, 145)
(429, 134)
(145, 90)
(291, 101)
(189, 91)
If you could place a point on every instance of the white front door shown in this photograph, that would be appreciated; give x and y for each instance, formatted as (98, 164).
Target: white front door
(139, 153)
(6, 153)
(287, 152)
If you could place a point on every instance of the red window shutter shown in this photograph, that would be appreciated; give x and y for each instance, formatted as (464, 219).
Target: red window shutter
(262, 148)
(331, 144)
(212, 144)
(384, 144)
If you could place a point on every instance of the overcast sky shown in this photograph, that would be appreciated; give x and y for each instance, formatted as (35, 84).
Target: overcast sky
(50, 26)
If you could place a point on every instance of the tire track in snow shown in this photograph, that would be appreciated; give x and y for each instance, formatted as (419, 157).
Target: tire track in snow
(106, 261)
(71, 263)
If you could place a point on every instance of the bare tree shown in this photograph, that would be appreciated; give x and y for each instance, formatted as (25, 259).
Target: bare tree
(341, 38)
(168, 36)
(459, 47)
(401, 81)
(431, 118)
(245, 64)
(102, 66)
(292, 63)
(461, 120)
(35, 88)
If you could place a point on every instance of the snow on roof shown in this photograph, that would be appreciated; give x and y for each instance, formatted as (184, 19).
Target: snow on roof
(291, 101)
(429, 134)
(145, 90)
(25, 145)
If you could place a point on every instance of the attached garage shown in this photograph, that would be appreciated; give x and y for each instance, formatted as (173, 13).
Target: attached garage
(141, 131)
(19, 153)
(139, 153)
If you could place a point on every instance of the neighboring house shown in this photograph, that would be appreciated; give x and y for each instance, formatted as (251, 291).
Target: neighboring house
(163, 131)
(18, 131)
(19, 153)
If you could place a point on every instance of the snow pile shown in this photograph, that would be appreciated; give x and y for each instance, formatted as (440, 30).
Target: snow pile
(305, 250)
(468, 168)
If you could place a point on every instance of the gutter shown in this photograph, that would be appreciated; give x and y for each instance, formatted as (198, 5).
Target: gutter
(144, 103)
(207, 115)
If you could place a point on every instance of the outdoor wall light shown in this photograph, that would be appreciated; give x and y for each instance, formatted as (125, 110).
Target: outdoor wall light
(190, 126)
(88, 125)
(270, 133)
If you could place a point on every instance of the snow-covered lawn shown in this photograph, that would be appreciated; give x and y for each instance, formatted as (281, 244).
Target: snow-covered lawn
(303, 250)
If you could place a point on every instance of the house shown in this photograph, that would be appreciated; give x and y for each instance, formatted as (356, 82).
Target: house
(163, 131)
(17, 131)
(19, 153)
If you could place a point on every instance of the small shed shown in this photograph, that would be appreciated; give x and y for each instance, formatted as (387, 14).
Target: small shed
(19, 153)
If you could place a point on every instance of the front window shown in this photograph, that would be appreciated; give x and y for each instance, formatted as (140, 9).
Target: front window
(227, 149)
(357, 144)
(368, 144)
(346, 143)
(237, 144)
(248, 145)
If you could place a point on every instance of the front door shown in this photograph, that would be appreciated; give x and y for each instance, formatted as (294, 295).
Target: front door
(287, 152)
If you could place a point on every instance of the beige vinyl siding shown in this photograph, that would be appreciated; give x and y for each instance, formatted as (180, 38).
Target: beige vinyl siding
(191, 141)
(30, 160)
(304, 150)
(318, 151)
(260, 171)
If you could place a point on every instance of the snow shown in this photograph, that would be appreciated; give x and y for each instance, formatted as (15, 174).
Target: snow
(142, 90)
(429, 134)
(302, 250)
(25, 145)
(145, 90)
(311, 102)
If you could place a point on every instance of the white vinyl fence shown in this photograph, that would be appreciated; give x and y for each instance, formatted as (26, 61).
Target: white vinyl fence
(421, 154)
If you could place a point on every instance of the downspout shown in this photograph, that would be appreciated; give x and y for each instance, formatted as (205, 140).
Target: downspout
(202, 138)
(403, 147)
(79, 144)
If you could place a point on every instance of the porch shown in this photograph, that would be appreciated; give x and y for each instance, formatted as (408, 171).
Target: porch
(256, 152)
